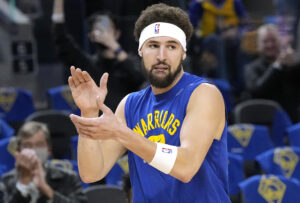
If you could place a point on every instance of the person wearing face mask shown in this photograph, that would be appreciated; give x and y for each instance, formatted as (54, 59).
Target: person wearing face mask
(35, 181)
(123, 68)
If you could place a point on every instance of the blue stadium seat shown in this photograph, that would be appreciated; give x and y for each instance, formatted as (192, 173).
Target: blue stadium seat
(281, 161)
(7, 147)
(5, 130)
(224, 87)
(60, 98)
(248, 140)
(15, 104)
(281, 121)
(294, 134)
(270, 188)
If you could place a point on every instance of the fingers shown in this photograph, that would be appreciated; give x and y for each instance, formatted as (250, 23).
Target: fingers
(77, 76)
(84, 122)
(27, 158)
(86, 76)
(103, 82)
(71, 84)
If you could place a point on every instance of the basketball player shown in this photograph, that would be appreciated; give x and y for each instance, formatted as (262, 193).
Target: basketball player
(174, 130)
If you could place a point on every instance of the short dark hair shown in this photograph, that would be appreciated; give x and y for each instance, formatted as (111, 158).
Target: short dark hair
(94, 17)
(163, 13)
(30, 128)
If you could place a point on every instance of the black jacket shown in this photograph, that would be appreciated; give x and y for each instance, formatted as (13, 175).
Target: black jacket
(124, 77)
(65, 184)
(281, 85)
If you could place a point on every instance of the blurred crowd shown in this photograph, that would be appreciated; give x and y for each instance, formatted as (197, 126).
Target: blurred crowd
(252, 49)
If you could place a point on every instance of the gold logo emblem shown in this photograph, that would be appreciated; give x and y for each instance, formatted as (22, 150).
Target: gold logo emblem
(8, 97)
(242, 133)
(272, 189)
(67, 95)
(287, 159)
(157, 138)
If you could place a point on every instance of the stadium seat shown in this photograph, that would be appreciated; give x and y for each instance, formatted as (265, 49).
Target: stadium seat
(264, 112)
(294, 134)
(61, 129)
(15, 105)
(105, 193)
(248, 140)
(60, 98)
(270, 188)
(7, 148)
(281, 161)
(5, 130)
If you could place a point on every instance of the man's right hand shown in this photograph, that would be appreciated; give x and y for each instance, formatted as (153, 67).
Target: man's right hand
(26, 161)
(85, 91)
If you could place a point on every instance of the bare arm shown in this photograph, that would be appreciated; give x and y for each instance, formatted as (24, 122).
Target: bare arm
(58, 15)
(200, 127)
(95, 157)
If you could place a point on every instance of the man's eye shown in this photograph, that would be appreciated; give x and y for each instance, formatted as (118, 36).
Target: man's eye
(152, 46)
(172, 47)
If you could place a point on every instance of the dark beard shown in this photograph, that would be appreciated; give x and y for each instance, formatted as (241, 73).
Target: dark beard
(165, 81)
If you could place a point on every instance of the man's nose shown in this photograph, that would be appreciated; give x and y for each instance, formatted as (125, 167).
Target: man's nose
(161, 55)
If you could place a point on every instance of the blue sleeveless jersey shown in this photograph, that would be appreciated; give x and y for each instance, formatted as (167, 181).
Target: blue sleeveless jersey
(159, 118)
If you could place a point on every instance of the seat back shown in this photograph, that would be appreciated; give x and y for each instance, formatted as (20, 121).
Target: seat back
(61, 129)
(5, 130)
(225, 89)
(6, 150)
(105, 193)
(248, 140)
(15, 105)
(264, 112)
(60, 98)
(281, 161)
(256, 111)
(270, 188)
(294, 134)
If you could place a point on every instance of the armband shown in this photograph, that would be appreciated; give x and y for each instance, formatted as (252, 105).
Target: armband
(164, 158)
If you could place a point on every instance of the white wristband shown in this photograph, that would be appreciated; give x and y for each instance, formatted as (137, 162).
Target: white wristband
(164, 158)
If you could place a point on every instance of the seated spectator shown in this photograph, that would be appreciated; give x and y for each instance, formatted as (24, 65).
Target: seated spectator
(124, 70)
(275, 74)
(215, 45)
(33, 180)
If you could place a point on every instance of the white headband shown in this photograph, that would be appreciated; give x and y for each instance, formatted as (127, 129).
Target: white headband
(162, 29)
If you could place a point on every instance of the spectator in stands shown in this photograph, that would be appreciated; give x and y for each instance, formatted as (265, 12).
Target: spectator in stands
(33, 180)
(215, 43)
(123, 68)
(275, 74)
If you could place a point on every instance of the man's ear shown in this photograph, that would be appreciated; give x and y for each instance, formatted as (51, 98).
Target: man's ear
(140, 53)
(184, 56)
